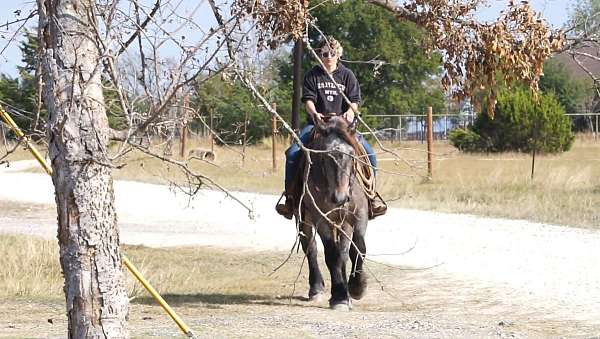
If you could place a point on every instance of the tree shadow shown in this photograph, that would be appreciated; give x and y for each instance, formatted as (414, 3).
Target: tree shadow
(219, 299)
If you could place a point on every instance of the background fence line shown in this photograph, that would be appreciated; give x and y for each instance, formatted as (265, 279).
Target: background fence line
(412, 127)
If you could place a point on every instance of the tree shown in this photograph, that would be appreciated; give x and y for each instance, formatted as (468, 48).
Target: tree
(574, 94)
(20, 92)
(396, 76)
(570, 92)
(231, 102)
(583, 44)
(84, 42)
(520, 124)
(515, 45)
(78, 130)
(370, 33)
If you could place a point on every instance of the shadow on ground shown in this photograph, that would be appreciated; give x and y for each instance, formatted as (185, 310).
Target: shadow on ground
(216, 299)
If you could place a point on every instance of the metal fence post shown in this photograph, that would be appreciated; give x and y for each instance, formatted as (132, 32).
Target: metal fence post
(274, 131)
(429, 142)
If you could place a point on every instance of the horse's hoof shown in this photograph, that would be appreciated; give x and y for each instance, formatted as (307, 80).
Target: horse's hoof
(357, 287)
(341, 306)
(317, 297)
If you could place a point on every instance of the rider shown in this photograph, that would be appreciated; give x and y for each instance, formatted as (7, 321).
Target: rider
(321, 97)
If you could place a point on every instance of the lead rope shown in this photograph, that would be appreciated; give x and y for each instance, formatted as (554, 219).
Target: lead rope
(365, 172)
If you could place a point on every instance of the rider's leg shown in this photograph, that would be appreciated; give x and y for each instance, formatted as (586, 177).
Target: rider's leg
(377, 206)
(291, 166)
(293, 155)
(370, 152)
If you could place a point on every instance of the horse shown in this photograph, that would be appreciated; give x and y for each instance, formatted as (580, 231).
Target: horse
(334, 205)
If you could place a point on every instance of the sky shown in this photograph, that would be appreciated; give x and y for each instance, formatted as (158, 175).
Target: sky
(555, 11)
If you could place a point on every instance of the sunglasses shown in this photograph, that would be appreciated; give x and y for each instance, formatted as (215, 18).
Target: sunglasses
(328, 54)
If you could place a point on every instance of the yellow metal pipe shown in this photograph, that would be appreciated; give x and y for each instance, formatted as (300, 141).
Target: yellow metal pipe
(184, 328)
(11, 123)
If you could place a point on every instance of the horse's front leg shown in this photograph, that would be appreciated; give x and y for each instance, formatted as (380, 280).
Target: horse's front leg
(309, 246)
(336, 255)
(358, 279)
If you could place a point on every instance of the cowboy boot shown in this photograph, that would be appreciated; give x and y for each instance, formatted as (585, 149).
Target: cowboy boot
(377, 207)
(286, 209)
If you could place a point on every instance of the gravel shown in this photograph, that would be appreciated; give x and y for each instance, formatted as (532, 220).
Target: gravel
(550, 270)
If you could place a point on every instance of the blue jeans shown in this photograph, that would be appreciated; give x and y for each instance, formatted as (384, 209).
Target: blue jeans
(292, 156)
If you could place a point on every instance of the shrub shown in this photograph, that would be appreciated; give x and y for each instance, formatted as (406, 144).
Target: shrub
(520, 124)
(465, 140)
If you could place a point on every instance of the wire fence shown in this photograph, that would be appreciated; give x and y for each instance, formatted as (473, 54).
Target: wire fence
(413, 127)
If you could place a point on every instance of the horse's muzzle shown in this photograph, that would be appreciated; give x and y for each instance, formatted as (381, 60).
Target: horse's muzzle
(340, 198)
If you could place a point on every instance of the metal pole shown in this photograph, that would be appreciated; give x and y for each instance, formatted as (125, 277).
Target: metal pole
(429, 142)
(184, 128)
(11, 123)
(596, 134)
(184, 328)
(400, 129)
(446, 126)
(246, 118)
(423, 128)
(297, 85)
(212, 137)
(274, 130)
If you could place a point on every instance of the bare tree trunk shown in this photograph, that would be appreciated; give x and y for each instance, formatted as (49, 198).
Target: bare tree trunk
(88, 236)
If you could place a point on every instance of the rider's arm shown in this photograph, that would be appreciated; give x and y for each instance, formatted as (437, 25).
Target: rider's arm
(353, 94)
(350, 113)
(309, 97)
(312, 111)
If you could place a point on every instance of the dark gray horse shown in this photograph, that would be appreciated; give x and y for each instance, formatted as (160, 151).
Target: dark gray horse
(342, 220)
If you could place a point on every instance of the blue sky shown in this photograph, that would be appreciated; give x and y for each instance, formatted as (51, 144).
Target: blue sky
(555, 11)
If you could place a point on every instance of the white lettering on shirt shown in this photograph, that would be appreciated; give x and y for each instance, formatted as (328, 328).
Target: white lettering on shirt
(328, 84)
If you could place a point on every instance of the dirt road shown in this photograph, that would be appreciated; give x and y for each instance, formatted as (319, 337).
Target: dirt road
(487, 274)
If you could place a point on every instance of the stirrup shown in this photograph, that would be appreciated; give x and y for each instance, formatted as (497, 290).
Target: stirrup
(285, 209)
(375, 211)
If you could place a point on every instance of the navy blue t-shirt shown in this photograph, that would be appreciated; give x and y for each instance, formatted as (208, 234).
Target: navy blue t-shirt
(319, 88)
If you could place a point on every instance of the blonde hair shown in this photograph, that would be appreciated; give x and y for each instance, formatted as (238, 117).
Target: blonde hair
(331, 43)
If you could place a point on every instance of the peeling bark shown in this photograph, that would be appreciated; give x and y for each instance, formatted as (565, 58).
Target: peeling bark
(78, 133)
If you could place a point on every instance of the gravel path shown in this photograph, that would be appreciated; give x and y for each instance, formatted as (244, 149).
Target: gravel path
(548, 270)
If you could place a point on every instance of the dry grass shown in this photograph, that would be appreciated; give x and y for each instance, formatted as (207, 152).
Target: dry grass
(229, 293)
(31, 269)
(214, 275)
(566, 189)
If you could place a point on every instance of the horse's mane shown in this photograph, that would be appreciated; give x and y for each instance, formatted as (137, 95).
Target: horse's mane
(339, 126)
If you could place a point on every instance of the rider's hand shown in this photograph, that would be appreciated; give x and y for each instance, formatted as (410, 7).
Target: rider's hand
(349, 116)
(318, 117)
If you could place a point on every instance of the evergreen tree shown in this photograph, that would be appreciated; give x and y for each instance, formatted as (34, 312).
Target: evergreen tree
(521, 124)
(570, 92)
(19, 92)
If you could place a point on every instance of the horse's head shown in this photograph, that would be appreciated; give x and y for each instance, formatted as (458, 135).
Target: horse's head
(337, 141)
